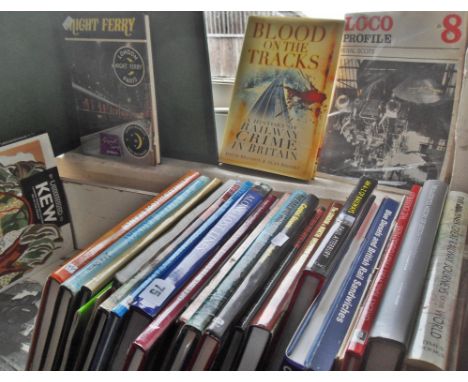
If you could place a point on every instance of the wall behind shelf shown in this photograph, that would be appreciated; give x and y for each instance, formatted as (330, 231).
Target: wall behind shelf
(36, 94)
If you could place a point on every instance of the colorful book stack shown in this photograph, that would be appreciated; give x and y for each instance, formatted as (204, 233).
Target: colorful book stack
(238, 276)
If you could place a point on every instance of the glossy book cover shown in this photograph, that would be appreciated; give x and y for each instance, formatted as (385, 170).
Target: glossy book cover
(281, 96)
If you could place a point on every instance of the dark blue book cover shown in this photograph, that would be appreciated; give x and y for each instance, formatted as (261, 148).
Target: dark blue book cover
(323, 351)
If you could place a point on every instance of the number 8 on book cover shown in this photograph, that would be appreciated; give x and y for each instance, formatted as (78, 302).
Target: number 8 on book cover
(281, 96)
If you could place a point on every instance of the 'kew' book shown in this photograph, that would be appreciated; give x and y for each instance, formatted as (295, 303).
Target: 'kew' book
(281, 96)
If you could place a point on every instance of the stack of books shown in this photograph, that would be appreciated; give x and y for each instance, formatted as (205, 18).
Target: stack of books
(237, 276)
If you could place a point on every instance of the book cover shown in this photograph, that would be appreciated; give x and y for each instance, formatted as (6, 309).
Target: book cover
(50, 292)
(34, 218)
(282, 94)
(357, 342)
(111, 68)
(253, 282)
(390, 333)
(429, 347)
(396, 97)
(19, 303)
(145, 343)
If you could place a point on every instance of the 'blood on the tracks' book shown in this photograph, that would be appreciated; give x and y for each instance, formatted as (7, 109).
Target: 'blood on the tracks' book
(282, 93)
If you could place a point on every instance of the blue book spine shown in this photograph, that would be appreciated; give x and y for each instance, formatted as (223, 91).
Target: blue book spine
(174, 258)
(75, 282)
(156, 294)
(324, 348)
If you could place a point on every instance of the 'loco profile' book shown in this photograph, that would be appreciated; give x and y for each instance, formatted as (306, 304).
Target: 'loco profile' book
(282, 94)
(396, 97)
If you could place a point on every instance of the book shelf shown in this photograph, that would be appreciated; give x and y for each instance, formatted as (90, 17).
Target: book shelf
(95, 185)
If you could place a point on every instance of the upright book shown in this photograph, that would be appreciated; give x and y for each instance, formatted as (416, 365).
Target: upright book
(390, 334)
(282, 94)
(34, 220)
(396, 97)
(429, 348)
(357, 341)
(111, 64)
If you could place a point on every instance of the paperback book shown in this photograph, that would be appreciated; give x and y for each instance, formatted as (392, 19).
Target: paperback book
(282, 94)
(396, 98)
(111, 65)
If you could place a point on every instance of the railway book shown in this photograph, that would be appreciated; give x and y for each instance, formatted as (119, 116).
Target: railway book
(111, 65)
(396, 98)
(323, 346)
(282, 95)
(356, 344)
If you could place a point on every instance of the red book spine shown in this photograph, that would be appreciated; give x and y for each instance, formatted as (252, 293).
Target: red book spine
(357, 342)
(163, 320)
(94, 249)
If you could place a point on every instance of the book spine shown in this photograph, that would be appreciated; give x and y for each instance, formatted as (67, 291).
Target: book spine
(277, 303)
(134, 235)
(168, 315)
(358, 341)
(136, 249)
(89, 253)
(227, 266)
(401, 299)
(281, 246)
(272, 282)
(174, 258)
(224, 290)
(326, 256)
(156, 294)
(174, 236)
(432, 333)
(323, 350)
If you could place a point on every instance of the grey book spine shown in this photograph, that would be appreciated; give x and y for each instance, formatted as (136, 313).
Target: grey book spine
(403, 294)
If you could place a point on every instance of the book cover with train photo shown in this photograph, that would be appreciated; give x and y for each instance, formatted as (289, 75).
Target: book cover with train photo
(281, 95)
(396, 96)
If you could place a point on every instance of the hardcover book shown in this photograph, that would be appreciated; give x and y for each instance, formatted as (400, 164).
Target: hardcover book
(34, 219)
(358, 338)
(282, 94)
(74, 291)
(250, 289)
(166, 282)
(396, 98)
(111, 65)
(46, 314)
(429, 348)
(390, 334)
